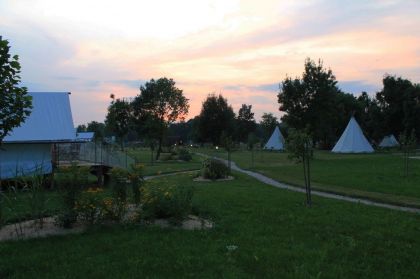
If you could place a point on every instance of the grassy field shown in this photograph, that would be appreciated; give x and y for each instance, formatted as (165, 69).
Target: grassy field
(274, 234)
(378, 176)
(143, 156)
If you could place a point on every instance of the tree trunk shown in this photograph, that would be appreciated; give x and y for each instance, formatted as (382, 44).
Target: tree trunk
(308, 169)
(229, 164)
(159, 149)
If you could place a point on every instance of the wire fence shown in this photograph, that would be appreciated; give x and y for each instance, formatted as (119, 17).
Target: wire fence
(94, 153)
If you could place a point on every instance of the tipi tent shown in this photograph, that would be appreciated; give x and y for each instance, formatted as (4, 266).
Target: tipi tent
(389, 141)
(276, 141)
(352, 140)
(27, 149)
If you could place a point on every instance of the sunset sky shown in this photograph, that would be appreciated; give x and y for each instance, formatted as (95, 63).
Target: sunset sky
(241, 49)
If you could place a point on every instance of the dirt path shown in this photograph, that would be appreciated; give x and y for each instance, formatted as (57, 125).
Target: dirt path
(281, 185)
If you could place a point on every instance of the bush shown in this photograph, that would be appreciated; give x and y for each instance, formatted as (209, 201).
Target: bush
(120, 179)
(137, 181)
(89, 206)
(214, 169)
(174, 203)
(71, 180)
(184, 155)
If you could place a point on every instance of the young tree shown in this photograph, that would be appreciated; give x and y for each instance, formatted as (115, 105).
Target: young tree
(408, 144)
(215, 117)
(310, 102)
(227, 142)
(299, 145)
(252, 141)
(118, 118)
(15, 103)
(245, 123)
(268, 124)
(159, 104)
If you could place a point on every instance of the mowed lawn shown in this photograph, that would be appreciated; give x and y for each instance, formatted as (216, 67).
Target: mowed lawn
(143, 156)
(378, 176)
(269, 231)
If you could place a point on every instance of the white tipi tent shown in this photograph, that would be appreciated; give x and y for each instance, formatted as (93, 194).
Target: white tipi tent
(352, 140)
(276, 141)
(389, 141)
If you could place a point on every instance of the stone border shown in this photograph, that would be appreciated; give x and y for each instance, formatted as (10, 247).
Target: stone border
(202, 179)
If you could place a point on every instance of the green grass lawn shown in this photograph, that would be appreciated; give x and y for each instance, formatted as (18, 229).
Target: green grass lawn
(275, 234)
(378, 176)
(143, 156)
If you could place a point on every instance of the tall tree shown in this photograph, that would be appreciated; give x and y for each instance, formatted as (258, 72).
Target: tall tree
(96, 127)
(15, 103)
(159, 104)
(310, 102)
(399, 101)
(245, 123)
(118, 118)
(268, 123)
(216, 117)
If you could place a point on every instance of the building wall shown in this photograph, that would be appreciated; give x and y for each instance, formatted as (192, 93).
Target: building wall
(24, 159)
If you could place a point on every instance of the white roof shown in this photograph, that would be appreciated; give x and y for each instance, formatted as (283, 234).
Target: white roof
(389, 141)
(276, 140)
(87, 136)
(50, 120)
(352, 140)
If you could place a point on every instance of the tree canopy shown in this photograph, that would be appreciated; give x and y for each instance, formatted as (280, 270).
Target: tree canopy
(216, 117)
(268, 123)
(245, 123)
(159, 104)
(118, 118)
(15, 103)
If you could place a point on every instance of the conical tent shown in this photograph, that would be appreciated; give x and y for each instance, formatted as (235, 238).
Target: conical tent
(389, 141)
(276, 141)
(352, 140)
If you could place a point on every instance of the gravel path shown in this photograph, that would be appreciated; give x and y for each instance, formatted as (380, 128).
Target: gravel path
(277, 184)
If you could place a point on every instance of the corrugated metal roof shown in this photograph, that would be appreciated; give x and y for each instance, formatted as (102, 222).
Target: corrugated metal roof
(85, 135)
(50, 121)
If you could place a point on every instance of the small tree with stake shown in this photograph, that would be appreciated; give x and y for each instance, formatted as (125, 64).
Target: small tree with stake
(228, 144)
(252, 141)
(299, 145)
(408, 143)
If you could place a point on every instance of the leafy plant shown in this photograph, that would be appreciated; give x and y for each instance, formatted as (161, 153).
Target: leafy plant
(89, 206)
(173, 202)
(120, 179)
(137, 181)
(184, 155)
(214, 169)
(71, 182)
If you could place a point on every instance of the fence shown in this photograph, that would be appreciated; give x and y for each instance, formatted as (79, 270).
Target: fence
(96, 153)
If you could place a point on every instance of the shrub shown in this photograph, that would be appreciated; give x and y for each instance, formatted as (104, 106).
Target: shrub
(184, 155)
(71, 180)
(214, 169)
(174, 203)
(165, 156)
(120, 179)
(89, 206)
(137, 181)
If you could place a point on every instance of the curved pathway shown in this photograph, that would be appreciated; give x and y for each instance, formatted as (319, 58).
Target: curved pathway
(281, 185)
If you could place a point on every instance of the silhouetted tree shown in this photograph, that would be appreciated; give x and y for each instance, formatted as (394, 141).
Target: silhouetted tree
(118, 118)
(216, 117)
(159, 104)
(245, 123)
